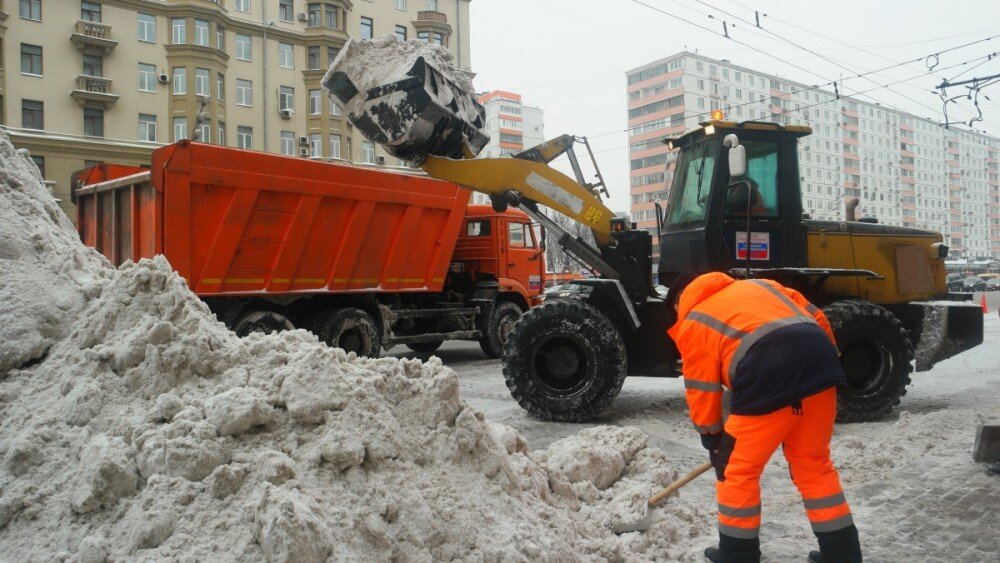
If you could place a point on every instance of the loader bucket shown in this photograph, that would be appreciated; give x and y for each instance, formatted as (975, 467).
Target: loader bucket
(947, 328)
(409, 106)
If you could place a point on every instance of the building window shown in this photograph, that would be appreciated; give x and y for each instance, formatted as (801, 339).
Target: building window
(286, 98)
(31, 10)
(367, 152)
(180, 128)
(432, 5)
(367, 28)
(220, 86)
(242, 5)
(288, 143)
(424, 36)
(335, 145)
(401, 32)
(316, 145)
(334, 108)
(178, 31)
(90, 12)
(330, 16)
(147, 78)
(201, 33)
(244, 137)
(146, 28)
(315, 13)
(313, 58)
(220, 38)
(331, 54)
(180, 80)
(93, 65)
(243, 47)
(205, 131)
(401, 5)
(315, 102)
(286, 56)
(147, 127)
(286, 12)
(31, 59)
(244, 92)
(201, 82)
(32, 114)
(40, 163)
(93, 122)
(222, 133)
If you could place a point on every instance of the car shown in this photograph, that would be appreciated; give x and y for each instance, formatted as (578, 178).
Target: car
(973, 283)
(566, 290)
(993, 284)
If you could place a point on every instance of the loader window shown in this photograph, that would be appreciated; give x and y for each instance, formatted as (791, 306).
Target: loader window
(762, 168)
(477, 229)
(692, 185)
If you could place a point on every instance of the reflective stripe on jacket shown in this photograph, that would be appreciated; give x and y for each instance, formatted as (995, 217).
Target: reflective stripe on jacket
(720, 319)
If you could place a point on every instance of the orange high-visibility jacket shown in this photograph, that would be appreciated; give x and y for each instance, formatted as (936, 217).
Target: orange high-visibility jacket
(720, 319)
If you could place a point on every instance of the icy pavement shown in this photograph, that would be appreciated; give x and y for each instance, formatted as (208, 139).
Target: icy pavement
(910, 479)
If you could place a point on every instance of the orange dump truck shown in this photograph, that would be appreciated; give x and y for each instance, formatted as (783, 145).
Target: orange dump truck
(364, 258)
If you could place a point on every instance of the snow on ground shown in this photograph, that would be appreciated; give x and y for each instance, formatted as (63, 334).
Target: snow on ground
(901, 475)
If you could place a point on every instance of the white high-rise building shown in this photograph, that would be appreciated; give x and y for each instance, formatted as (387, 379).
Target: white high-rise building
(511, 125)
(906, 170)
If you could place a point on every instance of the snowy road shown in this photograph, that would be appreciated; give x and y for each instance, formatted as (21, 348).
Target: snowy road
(914, 489)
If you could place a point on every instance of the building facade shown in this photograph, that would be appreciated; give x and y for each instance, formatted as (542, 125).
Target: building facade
(904, 169)
(111, 80)
(511, 125)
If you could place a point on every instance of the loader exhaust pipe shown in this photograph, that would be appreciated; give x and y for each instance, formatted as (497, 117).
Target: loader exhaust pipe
(851, 208)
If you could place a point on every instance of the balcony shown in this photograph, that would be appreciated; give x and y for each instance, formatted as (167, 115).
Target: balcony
(429, 20)
(93, 38)
(94, 91)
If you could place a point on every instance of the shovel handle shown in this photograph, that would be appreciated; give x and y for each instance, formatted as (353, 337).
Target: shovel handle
(672, 488)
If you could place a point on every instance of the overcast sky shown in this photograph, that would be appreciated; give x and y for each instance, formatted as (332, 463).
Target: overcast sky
(569, 57)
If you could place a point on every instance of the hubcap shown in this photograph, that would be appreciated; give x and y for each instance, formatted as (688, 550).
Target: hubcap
(351, 340)
(558, 364)
(867, 365)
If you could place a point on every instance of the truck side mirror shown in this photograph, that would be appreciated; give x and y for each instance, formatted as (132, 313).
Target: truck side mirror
(737, 161)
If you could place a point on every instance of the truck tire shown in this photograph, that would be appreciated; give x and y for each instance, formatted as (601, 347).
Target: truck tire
(260, 320)
(498, 326)
(352, 330)
(425, 347)
(877, 355)
(564, 360)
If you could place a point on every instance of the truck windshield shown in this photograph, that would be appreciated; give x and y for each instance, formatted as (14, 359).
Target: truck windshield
(691, 186)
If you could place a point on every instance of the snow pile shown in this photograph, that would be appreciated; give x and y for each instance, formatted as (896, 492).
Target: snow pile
(149, 431)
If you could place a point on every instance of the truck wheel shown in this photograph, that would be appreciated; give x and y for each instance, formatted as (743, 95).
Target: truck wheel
(352, 330)
(261, 321)
(498, 327)
(425, 347)
(876, 353)
(564, 360)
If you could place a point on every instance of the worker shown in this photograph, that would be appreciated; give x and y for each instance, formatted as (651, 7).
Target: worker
(777, 354)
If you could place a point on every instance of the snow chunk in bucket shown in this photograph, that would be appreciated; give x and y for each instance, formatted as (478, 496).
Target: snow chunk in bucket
(409, 97)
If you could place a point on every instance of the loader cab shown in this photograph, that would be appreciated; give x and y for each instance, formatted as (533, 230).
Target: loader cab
(705, 224)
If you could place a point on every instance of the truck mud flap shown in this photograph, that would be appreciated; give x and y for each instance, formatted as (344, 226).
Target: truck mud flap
(948, 328)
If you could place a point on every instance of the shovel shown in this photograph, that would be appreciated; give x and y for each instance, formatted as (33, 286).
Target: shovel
(642, 523)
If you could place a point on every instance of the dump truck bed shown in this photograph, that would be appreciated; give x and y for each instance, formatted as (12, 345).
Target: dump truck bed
(239, 222)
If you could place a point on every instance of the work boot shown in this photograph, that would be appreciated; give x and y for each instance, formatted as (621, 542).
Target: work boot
(840, 546)
(734, 550)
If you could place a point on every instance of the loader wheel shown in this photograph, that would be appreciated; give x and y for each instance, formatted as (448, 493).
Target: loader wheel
(425, 347)
(257, 320)
(876, 353)
(351, 329)
(498, 327)
(564, 360)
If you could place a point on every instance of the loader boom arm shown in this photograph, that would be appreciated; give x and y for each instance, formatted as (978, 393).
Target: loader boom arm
(533, 180)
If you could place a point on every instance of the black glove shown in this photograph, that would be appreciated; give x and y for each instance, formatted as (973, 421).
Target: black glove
(720, 453)
(711, 441)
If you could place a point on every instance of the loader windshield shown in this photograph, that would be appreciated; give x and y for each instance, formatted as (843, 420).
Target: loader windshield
(692, 185)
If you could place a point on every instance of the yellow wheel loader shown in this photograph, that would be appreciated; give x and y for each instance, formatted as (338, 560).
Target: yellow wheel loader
(735, 205)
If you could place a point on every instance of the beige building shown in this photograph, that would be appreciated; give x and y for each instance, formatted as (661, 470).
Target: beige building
(110, 80)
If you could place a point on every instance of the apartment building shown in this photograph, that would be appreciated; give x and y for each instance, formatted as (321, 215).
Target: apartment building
(905, 169)
(110, 80)
(511, 125)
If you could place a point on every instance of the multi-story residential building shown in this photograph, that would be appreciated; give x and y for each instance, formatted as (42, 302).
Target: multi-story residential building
(906, 170)
(511, 125)
(110, 80)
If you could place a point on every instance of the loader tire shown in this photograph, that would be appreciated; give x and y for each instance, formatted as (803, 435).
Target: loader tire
(877, 355)
(352, 330)
(498, 326)
(564, 360)
(425, 347)
(261, 320)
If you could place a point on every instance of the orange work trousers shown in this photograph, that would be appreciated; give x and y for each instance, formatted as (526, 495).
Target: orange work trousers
(804, 431)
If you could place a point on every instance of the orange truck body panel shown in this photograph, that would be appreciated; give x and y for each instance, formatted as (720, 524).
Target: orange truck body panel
(236, 222)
